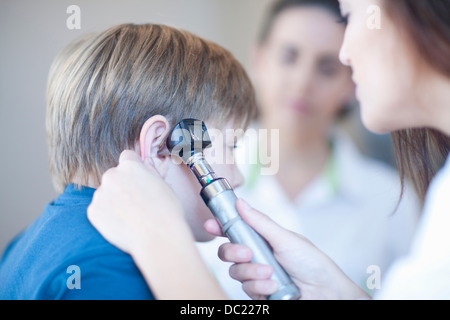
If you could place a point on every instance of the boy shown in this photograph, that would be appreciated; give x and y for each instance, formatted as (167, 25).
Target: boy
(124, 88)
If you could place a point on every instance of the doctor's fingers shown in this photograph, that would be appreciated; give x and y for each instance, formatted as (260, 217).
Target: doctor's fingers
(236, 253)
(260, 289)
(250, 271)
(213, 227)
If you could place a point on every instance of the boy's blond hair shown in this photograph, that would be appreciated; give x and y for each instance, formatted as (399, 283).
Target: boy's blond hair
(103, 88)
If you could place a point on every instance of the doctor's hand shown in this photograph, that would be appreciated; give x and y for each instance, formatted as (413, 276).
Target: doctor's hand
(314, 273)
(133, 202)
(138, 212)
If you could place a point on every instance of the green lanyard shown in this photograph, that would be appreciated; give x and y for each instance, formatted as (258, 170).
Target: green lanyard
(331, 170)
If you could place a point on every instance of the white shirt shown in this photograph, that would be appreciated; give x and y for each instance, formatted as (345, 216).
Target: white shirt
(425, 272)
(347, 212)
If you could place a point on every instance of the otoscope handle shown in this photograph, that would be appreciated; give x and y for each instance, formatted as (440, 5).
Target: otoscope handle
(221, 200)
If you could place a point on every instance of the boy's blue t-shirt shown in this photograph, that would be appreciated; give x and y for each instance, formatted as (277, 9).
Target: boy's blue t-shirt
(62, 251)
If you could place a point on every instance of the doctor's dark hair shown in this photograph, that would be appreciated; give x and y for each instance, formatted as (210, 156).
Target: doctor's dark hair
(281, 5)
(103, 87)
(421, 152)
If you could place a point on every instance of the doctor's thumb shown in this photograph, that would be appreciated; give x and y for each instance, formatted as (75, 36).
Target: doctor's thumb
(261, 223)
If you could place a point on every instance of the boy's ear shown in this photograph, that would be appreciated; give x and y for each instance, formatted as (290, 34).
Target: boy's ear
(152, 142)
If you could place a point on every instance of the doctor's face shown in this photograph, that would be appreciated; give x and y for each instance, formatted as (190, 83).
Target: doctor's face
(299, 80)
(384, 69)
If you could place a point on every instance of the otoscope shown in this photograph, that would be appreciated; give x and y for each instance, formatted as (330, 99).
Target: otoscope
(187, 140)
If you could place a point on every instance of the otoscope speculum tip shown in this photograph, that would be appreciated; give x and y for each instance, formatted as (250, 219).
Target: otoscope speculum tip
(188, 138)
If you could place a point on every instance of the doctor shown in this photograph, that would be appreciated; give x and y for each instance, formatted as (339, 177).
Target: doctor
(402, 73)
(319, 184)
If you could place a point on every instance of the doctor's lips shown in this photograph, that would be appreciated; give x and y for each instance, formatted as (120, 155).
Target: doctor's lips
(300, 106)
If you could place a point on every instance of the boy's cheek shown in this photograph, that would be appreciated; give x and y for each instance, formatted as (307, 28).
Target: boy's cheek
(184, 184)
(187, 189)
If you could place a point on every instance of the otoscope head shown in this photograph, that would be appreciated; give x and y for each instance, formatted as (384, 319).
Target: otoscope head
(188, 137)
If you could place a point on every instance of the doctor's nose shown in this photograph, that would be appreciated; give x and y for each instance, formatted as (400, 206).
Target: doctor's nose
(343, 54)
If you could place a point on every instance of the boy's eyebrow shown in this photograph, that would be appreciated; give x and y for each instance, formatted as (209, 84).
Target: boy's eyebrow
(235, 140)
(237, 134)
